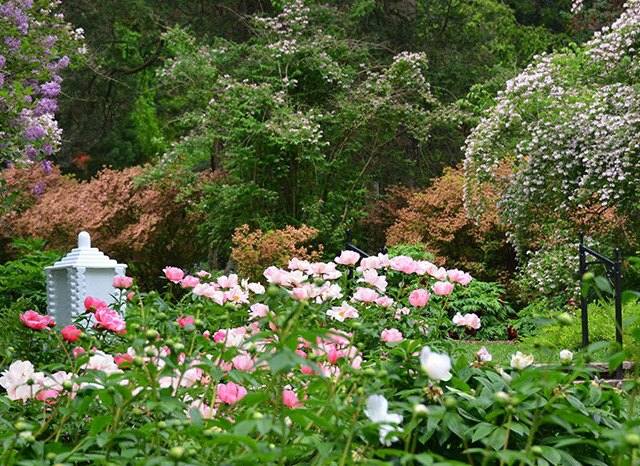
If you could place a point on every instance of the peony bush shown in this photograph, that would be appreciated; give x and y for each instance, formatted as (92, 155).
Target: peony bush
(340, 362)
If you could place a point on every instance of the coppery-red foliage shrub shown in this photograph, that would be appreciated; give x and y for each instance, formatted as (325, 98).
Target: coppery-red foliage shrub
(436, 217)
(254, 251)
(143, 225)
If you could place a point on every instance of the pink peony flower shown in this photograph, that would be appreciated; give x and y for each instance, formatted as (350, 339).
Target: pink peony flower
(419, 297)
(483, 355)
(384, 301)
(122, 282)
(333, 355)
(123, 359)
(391, 335)
(372, 262)
(243, 362)
(227, 281)
(290, 399)
(36, 321)
(403, 264)
(300, 293)
(78, 351)
(438, 273)
(443, 288)
(189, 281)
(206, 411)
(371, 277)
(47, 395)
(258, 311)
(110, 320)
(71, 333)
(173, 274)
(458, 276)
(306, 370)
(230, 393)
(347, 258)
(298, 264)
(92, 304)
(203, 274)
(471, 321)
(365, 295)
(183, 321)
(277, 276)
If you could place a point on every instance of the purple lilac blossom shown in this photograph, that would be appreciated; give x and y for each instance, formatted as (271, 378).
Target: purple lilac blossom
(47, 167)
(34, 132)
(38, 188)
(50, 89)
(45, 105)
(13, 43)
(3, 61)
(30, 152)
(63, 63)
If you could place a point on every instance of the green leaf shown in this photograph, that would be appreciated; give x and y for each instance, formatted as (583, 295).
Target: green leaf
(99, 423)
(482, 430)
(603, 284)
(551, 454)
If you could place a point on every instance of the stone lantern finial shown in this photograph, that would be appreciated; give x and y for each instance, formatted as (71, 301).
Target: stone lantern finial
(84, 240)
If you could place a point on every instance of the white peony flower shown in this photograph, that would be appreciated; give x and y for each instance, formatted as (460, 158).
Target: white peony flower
(436, 365)
(100, 361)
(520, 361)
(21, 381)
(566, 356)
(340, 313)
(483, 355)
(377, 411)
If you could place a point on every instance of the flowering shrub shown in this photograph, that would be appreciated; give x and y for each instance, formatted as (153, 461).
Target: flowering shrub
(35, 47)
(566, 127)
(336, 362)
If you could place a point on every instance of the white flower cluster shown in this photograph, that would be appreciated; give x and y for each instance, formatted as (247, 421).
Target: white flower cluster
(287, 26)
(576, 6)
(298, 127)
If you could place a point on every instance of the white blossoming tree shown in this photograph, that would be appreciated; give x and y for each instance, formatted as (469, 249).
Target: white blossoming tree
(562, 139)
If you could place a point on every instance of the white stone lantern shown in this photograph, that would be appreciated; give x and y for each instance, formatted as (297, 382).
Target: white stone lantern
(85, 271)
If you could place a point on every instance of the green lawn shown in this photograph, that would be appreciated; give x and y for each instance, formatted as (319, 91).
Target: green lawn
(502, 351)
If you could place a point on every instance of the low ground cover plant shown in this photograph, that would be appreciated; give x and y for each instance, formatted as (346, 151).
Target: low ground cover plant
(342, 362)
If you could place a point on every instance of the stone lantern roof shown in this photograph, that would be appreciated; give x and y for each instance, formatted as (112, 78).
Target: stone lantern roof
(86, 256)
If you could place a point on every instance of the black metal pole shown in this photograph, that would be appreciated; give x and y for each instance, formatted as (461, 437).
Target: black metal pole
(583, 298)
(617, 277)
